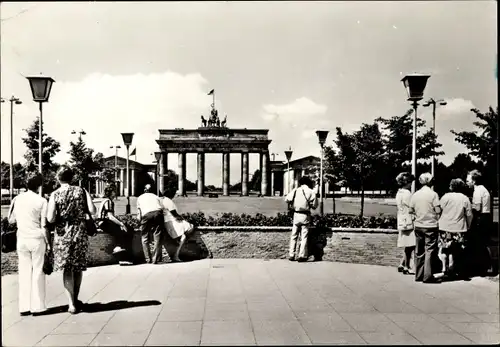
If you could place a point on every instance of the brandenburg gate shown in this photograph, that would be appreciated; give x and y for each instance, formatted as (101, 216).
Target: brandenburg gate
(213, 136)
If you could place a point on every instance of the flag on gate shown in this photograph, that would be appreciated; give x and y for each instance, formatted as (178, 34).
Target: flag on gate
(211, 92)
(133, 152)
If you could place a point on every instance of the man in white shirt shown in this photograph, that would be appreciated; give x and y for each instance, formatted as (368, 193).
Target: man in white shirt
(425, 207)
(303, 199)
(28, 210)
(150, 215)
(481, 225)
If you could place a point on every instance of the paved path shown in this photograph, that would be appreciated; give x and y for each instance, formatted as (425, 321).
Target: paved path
(248, 302)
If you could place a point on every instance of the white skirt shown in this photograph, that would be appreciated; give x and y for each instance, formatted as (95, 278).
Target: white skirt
(176, 229)
(406, 238)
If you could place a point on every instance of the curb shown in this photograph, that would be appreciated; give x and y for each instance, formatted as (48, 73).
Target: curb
(282, 229)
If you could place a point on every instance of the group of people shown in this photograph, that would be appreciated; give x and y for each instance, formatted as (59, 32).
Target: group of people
(66, 213)
(452, 230)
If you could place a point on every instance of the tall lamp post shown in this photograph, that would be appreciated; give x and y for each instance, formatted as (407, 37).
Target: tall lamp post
(40, 88)
(158, 178)
(322, 135)
(415, 86)
(13, 101)
(288, 155)
(434, 103)
(117, 147)
(127, 140)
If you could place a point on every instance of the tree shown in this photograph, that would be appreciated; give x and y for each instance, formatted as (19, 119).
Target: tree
(84, 162)
(19, 174)
(50, 148)
(359, 154)
(483, 145)
(254, 183)
(398, 146)
(463, 164)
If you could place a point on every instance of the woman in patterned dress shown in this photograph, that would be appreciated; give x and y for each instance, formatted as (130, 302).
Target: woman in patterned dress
(406, 234)
(67, 208)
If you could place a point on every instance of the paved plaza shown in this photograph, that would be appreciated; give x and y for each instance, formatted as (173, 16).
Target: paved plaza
(251, 301)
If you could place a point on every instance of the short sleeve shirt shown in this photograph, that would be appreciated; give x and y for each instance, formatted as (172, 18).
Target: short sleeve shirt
(168, 205)
(423, 203)
(481, 199)
(148, 202)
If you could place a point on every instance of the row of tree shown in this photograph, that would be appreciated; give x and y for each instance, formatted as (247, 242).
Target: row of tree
(87, 164)
(371, 157)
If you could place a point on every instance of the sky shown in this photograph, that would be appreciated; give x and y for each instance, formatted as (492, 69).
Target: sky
(290, 67)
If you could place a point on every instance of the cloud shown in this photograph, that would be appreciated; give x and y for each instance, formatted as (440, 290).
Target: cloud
(299, 108)
(294, 124)
(457, 105)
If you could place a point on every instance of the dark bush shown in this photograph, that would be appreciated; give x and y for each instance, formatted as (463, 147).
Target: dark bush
(280, 220)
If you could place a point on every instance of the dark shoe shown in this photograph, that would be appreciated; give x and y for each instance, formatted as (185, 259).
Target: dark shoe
(400, 268)
(41, 313)
(433, 281)
(418, 280)
(25, 313)
(302, 260)
(318, 258)
(291, 258)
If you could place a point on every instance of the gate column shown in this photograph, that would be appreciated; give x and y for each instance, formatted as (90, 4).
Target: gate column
(201, 173)
(244, 174)
(225, 174)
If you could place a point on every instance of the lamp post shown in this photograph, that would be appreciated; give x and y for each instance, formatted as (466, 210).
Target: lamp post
(80, 133)
(158, 178)
(322, 135)
(127, 140)
(434, 103)
(415, 86)
(288, 155)
(117, 147)
(40, 89)
(13, 101)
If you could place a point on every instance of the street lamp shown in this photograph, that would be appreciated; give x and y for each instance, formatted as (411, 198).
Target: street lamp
(13, 101)
(117, 147)
(40, 89)
(322, 135)
(80, 133)
(415, 86)
(157, 157)
(434, 103)
(127, 140)
(288, 155)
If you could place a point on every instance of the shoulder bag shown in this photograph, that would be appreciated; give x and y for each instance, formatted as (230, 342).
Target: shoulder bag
(89, 221)
(291, 209)
(9, 237)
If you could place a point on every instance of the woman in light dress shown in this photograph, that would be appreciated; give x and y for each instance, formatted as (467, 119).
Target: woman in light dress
(176, 226)
(406, 235)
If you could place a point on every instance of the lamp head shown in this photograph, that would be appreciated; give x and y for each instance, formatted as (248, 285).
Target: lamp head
(415, 86)
(127, 138)
(40, 87)
(158, 156)
(322, 135)
(288, 154)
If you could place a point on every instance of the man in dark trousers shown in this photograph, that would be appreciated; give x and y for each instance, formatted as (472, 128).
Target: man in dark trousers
(150, 215)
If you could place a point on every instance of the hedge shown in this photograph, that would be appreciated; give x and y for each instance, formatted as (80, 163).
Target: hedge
(280, 220)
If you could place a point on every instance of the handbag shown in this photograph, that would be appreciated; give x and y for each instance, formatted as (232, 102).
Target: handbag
(291, 208)
(90, 225)
(9, 237)
(48, 261)
(9, 241)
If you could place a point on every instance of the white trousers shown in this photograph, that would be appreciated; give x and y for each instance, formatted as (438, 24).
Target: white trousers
(300, 227)
(31, 254)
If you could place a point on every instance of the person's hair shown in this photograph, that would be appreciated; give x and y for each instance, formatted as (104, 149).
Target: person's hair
(457, 185)
(34, 182)
(426, 179)
(169, 192)
(65, 174)
(476, 176)
(404, 178)
(306, 180)
(109, 190)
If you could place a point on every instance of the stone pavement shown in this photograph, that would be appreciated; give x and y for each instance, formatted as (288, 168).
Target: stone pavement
(252, 301)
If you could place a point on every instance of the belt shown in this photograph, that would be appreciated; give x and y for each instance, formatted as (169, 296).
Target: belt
(303, 212)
